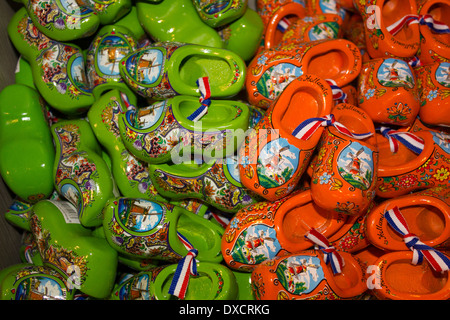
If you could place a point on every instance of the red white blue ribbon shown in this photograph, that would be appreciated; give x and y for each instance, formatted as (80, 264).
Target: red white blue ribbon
(185, 268)
(205, 99)
(437, 260)
(126, 102)
(409, 140)
(331, 256)
(283, 24)
(308, 127)
(426, 19)
(338, 93)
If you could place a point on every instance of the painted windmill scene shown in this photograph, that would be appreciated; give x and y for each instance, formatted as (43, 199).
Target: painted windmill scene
(145, 66)
(355, 165)
(140, 215)
(395, 73)
(276, 78)
(443, 74)
(110, 51)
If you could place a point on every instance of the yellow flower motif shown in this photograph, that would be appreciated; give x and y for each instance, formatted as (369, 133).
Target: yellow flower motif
(131, 134)
(442, 174)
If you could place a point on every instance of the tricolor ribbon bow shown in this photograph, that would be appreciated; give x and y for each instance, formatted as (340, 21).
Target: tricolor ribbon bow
(426, 19)
(205, 99)
(307, 128)
(411, 141)
(185, 268)
(126, 102)
(438, 260)
(331, 256)
(338, 93)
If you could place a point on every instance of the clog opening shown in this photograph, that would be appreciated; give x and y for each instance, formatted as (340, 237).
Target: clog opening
(200, 287)
(300, 219)
(392, 11)
(218, 113)
(278, 34)
(216, 68)
(387, 158)
(426, 222)
(329, 65)
(349, 277)
(441, 12)
(304, 104)
(200, 236)
(404, 277)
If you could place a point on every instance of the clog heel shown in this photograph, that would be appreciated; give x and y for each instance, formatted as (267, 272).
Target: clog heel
(270, 71)
(81, 175)
(387, 31)
(144, 229)
(345, 172)
(265, 230)
(388, 91)
(216, 14)
(216, 183)
(165, 69)
(402, 280)
(272, 159)
(305, 275)
(169, 130)
(58, 68)
(414, 161)
(426, 213)
(27, 152)
(434, 31)
(213, 282)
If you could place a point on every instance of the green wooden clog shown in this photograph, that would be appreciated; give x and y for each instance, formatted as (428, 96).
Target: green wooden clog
(163, 132)
(131, 22)
(25, 281)
(164, 21)
(72, 250)
(58, 68)
(110, 11)
(217, 13)
(103, 56)
(130, 174)
(217, 183)
(81, 175)
(23, 73)
(29, 251)
(26, 145)
(214, 282)
(139, 228)
(165, 69)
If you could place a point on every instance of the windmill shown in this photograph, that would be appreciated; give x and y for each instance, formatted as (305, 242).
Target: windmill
(253, 243)
(354, 166)
(145, 65)
(393, 74)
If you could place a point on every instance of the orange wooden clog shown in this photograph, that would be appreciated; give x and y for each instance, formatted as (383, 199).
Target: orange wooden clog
(427, 213)
(273, 69)
(305, 275)
(265, 230)
(345, 171)
(434, 44)
(403, 171)
(271, 159)
(434, 83)
(387, 91)
(401, 280)
(384, 36)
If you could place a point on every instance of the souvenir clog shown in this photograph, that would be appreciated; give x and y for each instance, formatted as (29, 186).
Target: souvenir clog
(111, 11)
(402, 280)
(58, 68)
(131, 22)
(272, 70)
(129, 173)
(426, 213)
(23, 74)
(18, 214)
(29, 251)
(26, 146)
(218, 13)
(305, 275)
(388, 91)
(387, 31)
(216, 183)
(165, 22)
(243, 36)
(434, 83)
(103, 56)
(139, 228)
(412, 167)
(163, 70)
(352, 236)
(62, 21)
(244, 282)
(345, 172)
(272, 159)
(71, 249)
(213, 282)
(165, 131)
(311, 28)
(265, 230)
(81, 174)
(25, 281)
(434, 31)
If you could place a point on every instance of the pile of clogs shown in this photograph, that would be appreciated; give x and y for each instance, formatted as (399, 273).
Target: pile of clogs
(228, 150)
